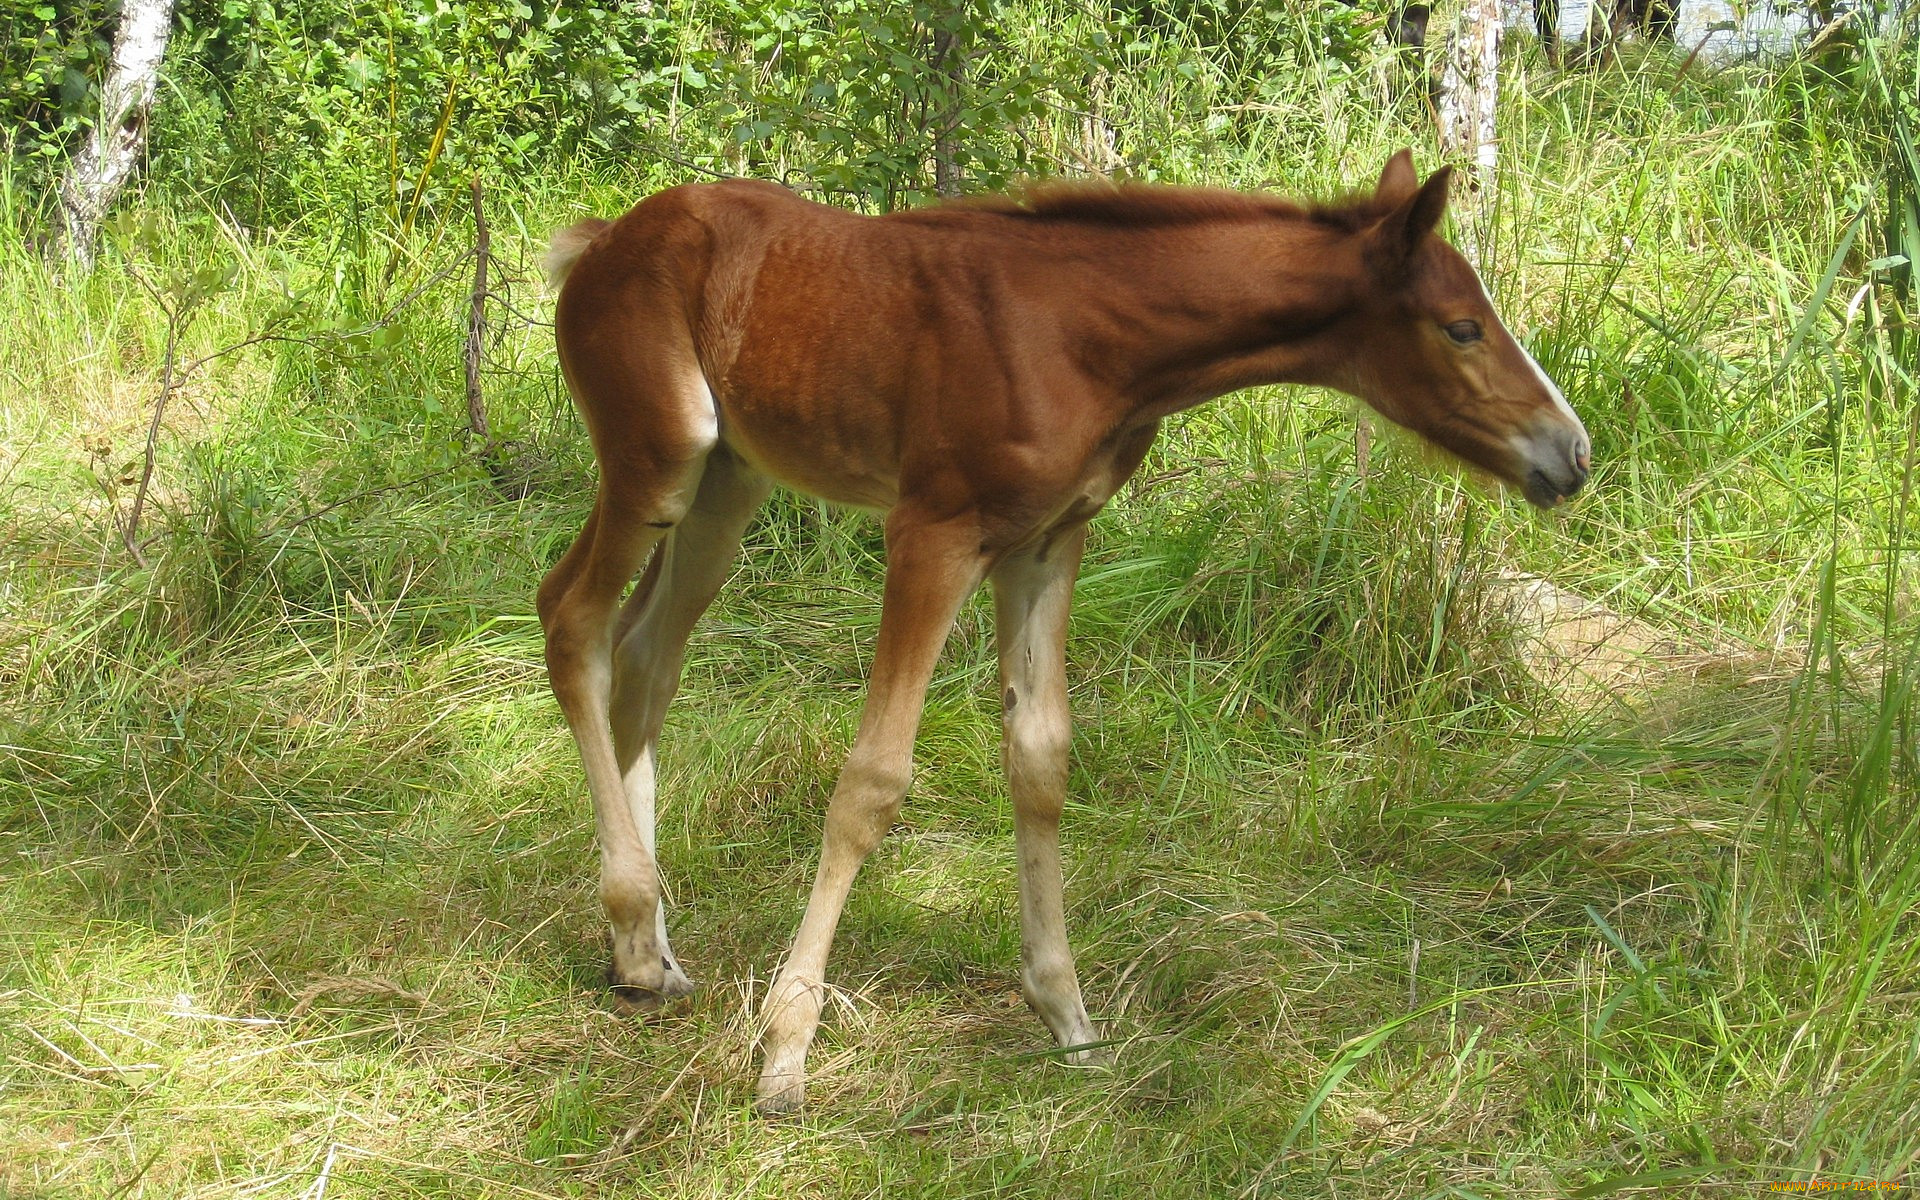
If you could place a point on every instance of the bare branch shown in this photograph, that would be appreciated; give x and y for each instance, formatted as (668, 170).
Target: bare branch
(477, 325)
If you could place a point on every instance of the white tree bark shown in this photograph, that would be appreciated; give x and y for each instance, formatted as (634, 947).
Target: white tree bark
(1099, 141)
(112, 151)
(1468, 97)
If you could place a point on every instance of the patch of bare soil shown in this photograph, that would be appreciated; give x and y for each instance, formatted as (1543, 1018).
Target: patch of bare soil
(1587, 651)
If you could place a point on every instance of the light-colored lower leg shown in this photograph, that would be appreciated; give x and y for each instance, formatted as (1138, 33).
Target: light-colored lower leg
(577, 609)
(865, 801)
(1033, 592)
(694, 561)
(930, 571)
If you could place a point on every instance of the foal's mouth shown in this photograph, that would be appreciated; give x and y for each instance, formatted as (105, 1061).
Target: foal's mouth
(1555, 460)
(1542, 493)
(1551, 485)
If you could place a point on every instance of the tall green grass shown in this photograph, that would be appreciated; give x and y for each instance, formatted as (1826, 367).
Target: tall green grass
(299, 894)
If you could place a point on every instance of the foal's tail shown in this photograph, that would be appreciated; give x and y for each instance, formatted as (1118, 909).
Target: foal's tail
(568, 245)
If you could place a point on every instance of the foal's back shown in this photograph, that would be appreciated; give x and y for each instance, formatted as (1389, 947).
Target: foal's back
(840, 352)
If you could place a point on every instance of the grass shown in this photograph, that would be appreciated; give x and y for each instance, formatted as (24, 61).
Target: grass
(300, 897)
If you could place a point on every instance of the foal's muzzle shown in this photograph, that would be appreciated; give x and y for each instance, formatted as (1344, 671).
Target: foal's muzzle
(1556, 457)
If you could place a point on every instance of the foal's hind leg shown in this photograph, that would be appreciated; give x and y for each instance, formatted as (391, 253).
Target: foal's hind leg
(577, 602)
(647, 485)
(650, 643)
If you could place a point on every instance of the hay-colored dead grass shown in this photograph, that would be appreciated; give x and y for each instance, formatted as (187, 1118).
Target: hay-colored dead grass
(1588, 652)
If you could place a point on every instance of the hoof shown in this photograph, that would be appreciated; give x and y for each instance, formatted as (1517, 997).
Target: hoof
(783, 1099)
(1097, 1058)
(633, 1000)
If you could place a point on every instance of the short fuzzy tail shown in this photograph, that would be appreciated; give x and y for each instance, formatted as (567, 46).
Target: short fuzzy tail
(568, 245)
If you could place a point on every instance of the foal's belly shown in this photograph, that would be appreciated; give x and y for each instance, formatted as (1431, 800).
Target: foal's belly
(815, 446)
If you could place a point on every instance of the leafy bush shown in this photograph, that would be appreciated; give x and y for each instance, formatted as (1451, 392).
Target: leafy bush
(862, 99)
(378, 102)
(52, 56)
(384, 109)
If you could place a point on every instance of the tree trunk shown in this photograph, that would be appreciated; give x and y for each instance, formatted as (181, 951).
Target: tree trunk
(1099, 141)
(1469, 95)
(949, 66)
(112, 151)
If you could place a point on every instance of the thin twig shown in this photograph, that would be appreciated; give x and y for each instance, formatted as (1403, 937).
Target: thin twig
(527, 319)
(351, 987)
(130, 532)
(139, 1174)
(222, 352)
(477, 329)
(416, 293)
(688, 164)
(322, 511)
(379, 322)
(1680, 76)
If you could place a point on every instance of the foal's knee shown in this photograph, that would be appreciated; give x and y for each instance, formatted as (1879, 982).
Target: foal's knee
(1034, 752)
(578, 677)
(546, 601)
(559, 610)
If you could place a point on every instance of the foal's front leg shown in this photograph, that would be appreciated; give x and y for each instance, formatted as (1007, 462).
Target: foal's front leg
(930, 571)
(1033, 590)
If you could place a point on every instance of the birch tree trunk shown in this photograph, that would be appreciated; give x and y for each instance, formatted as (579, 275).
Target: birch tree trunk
(1099, 141)
(112, 151)
(1468, 96)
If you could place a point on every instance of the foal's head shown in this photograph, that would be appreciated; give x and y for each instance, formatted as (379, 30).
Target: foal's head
(1431, 355)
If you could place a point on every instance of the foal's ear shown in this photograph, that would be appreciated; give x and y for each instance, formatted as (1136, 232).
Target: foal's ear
(1402, 230)
(1397, 181)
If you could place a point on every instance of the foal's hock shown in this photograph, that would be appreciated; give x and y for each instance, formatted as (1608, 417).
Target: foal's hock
(987, 374)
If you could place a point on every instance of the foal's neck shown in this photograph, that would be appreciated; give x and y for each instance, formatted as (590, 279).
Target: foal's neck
(1195, 312)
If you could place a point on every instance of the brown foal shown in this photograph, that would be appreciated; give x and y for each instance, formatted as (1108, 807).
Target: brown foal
(987, 374)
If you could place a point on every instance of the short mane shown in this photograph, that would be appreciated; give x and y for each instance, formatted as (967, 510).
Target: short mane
(1137, 205)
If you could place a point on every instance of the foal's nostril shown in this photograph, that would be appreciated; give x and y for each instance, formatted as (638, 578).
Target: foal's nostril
(1577, 473)
(1579, 462)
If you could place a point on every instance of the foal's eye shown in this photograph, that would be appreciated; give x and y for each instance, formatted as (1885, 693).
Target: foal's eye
(1464, 332)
